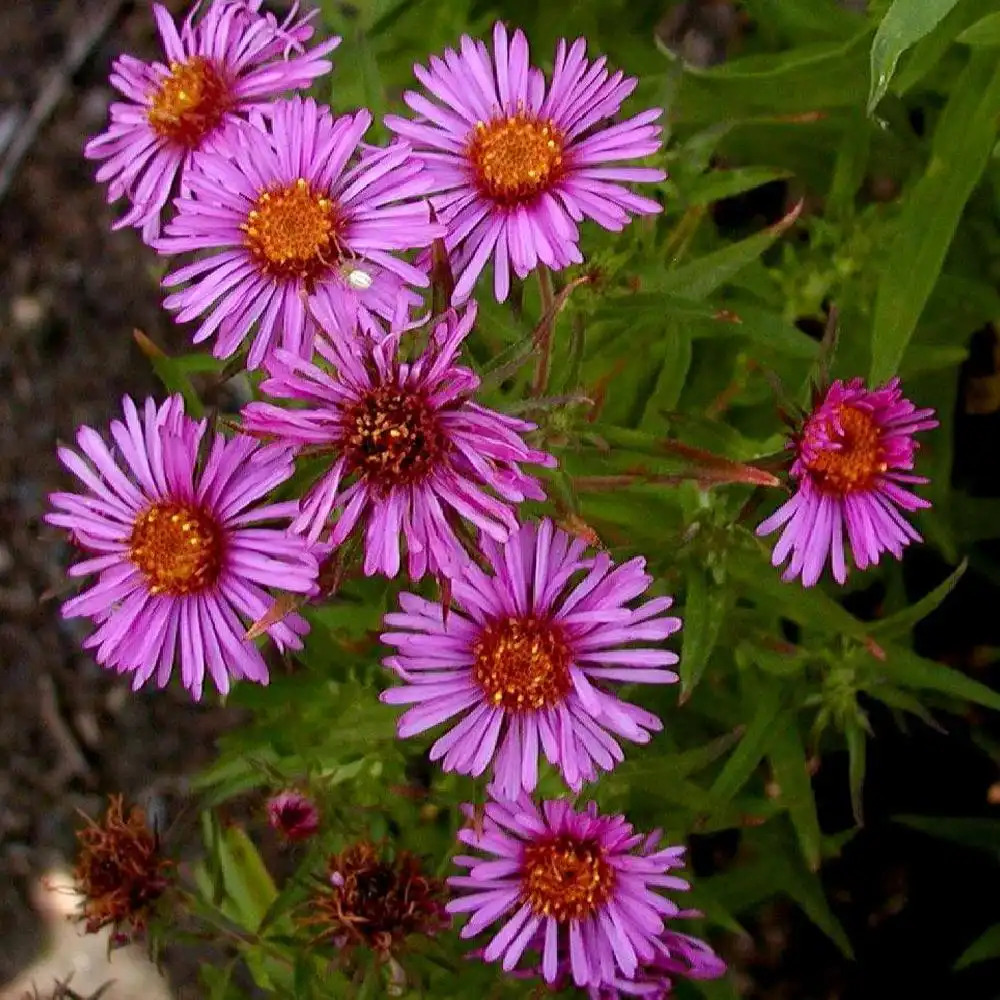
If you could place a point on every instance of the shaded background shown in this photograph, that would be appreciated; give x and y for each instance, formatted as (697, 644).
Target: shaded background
(70, 293)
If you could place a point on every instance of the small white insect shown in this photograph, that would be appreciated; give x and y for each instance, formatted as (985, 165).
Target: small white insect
(356, 278)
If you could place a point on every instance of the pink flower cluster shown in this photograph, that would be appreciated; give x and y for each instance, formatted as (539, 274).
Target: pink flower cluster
(304, 251)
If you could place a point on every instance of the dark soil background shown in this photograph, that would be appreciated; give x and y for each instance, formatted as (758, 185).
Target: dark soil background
(70, 293)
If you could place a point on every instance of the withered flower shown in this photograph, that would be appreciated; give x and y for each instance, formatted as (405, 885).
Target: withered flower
(368, 900)
(120, 870)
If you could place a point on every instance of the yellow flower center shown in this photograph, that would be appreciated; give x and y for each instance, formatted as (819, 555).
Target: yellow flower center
(516, 158)
(177, 547)
(565, 877)
(522, 664)
(293, 232)
(190, 102)
(859, 459)
(392, 437)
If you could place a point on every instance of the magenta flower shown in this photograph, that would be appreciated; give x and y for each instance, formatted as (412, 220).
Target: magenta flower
(851, 454)
(518, 656)
(175, 540)
(230, 60)
(411, 453)
(516, 165)
(578, 885)
(285, 209)
(293, 815)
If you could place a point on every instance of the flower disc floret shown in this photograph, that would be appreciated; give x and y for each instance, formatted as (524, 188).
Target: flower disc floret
(178, 547)
(190, 102)
(566, 878)
(515, 158)
(853, 457)
(520, 661)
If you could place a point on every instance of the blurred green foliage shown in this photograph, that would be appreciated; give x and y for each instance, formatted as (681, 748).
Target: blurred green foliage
(833, 158)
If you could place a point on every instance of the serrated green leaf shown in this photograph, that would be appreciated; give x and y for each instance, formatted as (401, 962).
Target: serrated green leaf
(900, 624)
(984, 948)
(986, 31)
(906, 668)
(904, 25)
(963, 141)
(788, 762)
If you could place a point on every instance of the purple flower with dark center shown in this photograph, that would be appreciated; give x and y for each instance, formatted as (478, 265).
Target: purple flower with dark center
(516, 163)
(851, 454)
(226, 62)
(579, 886)
(293, 815)
(411, 453)
(287, 212)
(521, 658)
(175, 536)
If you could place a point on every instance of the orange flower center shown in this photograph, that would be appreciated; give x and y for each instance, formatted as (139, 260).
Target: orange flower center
(177, 547)
(565, 877)
(293, 232)
(190, 102)
(522, 664)
(855, 465)
(392, 437)
(516, 158)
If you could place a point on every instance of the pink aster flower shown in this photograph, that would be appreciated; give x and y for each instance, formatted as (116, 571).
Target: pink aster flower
(516, 163)
(852, 453)
(293, 815)
(175, 537)
(579, 886)
(285, 210)
(411, 453)
(522, 656)
(227, 61)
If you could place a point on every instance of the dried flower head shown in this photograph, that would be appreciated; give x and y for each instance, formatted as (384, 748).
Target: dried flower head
(377, 902)
(293, 815)
(120, 870)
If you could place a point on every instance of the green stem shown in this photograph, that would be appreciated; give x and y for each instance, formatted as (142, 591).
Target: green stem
(544, 360)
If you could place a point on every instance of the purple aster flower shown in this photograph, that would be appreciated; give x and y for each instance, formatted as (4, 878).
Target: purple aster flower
(521, 657)
(515, 164)
(226, 62)
(578, 885)
(411, 454)
(286, 210)
(852, 453)
(174, 535)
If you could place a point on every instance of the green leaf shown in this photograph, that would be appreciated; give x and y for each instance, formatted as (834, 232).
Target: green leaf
(857, 747)
(982, 949)
(718, 184)
(910, 670)
(985, 31)
(898, 625)
(904, 25)
(703, 276)
(788, 762)
(757, 741)
(705, 605)
(982, 834)
(963, 141)
(246, 886)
